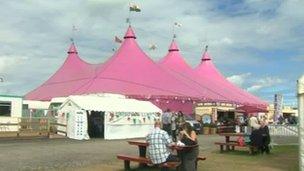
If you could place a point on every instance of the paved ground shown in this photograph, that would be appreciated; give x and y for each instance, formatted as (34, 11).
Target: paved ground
(62, 154)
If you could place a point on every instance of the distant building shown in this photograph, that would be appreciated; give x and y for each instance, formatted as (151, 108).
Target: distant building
(287, 111)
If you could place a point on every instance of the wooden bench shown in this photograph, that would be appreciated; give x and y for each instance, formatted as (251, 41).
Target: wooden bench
(128, 158)
(174, 165)
(233, 145)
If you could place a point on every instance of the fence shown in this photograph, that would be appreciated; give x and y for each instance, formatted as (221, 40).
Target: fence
(38, 126)
(283, 130)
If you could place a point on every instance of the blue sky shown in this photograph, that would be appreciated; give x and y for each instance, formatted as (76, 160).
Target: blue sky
(256, 44)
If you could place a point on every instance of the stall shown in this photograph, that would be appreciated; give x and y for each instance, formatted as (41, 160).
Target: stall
(109, 117)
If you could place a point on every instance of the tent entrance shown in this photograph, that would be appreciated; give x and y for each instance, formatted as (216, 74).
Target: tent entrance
(226, 117)
(96, 124)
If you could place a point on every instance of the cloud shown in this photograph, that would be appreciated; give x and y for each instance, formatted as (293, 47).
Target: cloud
(239, 79)
(238, 35)
(263, 83)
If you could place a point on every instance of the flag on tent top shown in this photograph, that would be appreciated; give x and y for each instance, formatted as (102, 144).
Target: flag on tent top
(152, 47)
(134, 7)
(117, 39)
(74, 28)
(177, 24)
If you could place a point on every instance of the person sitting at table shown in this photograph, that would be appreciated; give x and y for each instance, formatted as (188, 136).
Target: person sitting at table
(189, 138)
(159, 143)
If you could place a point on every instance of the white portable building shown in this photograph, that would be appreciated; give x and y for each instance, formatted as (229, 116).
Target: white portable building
(111, 117)
(10, 111)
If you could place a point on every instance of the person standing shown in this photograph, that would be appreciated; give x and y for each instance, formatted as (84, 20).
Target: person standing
(166, 120)
(256, 138)
(180, 120)
(265, 137)
(173, 126)
(189, 156)
(159, 143)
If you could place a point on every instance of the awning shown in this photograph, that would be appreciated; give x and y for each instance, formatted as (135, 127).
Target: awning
(251, 109)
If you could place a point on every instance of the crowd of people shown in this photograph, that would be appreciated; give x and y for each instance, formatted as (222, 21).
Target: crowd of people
(173, 130)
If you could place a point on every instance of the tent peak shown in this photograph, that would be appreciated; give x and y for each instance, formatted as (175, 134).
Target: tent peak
(72, 49)
(173, 46)
(206, 56)
(130, 33)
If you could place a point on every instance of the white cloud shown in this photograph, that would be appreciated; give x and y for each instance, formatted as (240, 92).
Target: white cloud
(41, 30)
(265, 82)
(239, 79)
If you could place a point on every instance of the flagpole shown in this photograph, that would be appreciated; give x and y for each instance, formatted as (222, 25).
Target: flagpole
(73, 33)
(173, 30)
(129, 16)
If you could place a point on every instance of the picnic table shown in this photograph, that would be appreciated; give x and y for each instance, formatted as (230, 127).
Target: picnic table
(232, 143)
(143, 144)
(144, 161)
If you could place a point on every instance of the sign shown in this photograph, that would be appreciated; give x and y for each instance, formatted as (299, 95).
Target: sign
(131, 118)
(278, 105)
(206, 119)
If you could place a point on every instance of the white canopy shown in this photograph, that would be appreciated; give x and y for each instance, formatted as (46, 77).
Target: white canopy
(114, 104)
(58, 99)
(34, 104)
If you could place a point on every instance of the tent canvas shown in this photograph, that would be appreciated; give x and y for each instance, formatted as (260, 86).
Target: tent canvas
(206, 77)
(123, 118)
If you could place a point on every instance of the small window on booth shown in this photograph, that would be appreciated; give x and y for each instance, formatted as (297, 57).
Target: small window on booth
(5, 108)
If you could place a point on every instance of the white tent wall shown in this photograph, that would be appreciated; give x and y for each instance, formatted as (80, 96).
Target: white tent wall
(124, 118)
(67, 109)
(128, 130)
(301, 121)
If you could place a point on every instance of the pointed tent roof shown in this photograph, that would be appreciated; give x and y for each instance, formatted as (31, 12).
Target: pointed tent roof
(73, 74)
(174, 60)
(176, 63)
(207, 71)
(131, 72)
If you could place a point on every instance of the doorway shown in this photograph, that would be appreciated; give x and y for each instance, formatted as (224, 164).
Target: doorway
(96, 124)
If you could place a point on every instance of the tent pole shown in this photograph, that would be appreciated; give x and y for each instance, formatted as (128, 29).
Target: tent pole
(300, 93)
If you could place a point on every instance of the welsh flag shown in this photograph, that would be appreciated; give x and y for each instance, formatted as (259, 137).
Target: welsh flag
(134, 7)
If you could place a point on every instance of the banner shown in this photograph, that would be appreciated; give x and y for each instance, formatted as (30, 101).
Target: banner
(131, 118)
(278, 105)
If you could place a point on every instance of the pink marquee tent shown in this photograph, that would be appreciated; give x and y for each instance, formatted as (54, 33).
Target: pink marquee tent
(174, 63)
(171, 84)
(213, 84)
(129, 71)
(71, 76)
(206, 70)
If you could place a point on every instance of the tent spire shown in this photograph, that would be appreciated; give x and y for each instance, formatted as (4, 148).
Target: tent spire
(206, 56)
(72, 48)
(130, 33)
(173, 46)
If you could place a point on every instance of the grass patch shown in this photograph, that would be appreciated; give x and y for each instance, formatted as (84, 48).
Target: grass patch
(281, 158)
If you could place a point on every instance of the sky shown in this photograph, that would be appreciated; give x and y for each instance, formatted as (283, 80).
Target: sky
(256, 44)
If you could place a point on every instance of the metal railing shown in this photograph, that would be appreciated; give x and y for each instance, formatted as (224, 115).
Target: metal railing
(283, 130)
